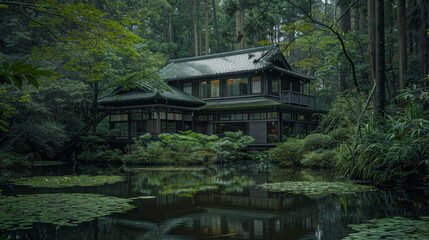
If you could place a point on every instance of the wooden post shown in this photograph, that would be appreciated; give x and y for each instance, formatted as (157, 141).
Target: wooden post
(158, 123)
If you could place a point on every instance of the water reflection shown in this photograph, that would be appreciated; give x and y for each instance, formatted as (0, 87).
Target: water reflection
(223, 202)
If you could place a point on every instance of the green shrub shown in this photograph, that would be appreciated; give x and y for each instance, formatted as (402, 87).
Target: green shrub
(319, 159)
(13, 160)
(340, 134)
(229, 147)
(258, 155)
(395, 149)
(317, 141)
(287, 153)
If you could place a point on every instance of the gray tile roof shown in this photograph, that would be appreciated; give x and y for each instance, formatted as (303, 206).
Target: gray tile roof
(144, 92)
(224, 63)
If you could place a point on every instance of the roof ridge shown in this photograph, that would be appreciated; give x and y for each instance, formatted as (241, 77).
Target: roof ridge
(237, 52)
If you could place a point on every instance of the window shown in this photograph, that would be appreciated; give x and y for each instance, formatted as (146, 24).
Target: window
(187, 117)
(239, 116)
(272, 115)
(286, 116)
(256, 85)
(272, 132)
(237, 87)
(168, 127)
(204, 89)
(138, 128)
(205, 118)
(210, 89)
(223, 117)
(231, 127)
(187, 88)
(119, 129)
(119, 117)
(139, 116)
(274, 85)
(257, 116)
(215, 88)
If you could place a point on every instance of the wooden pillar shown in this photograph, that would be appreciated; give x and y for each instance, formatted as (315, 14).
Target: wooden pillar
(279, 126)
(193, 121)
(158, 123)
(129, 125)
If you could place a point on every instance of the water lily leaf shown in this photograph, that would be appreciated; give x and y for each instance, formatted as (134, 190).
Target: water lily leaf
(22, 211)
(67, 181)
(316, 188)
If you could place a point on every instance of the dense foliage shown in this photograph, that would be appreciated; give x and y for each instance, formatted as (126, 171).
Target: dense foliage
(184, 148)
(59, 57)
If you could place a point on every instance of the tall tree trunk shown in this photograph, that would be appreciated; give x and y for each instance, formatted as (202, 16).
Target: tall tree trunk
(216, 28)
(200, 32)
(95, 93)
(424, 17)
(371, 37)
(345, 26)
(195, 20)
(356, 19)
(242, 46)
(238, 35)
(170, 26)
(207, 40)
(402, 44)
(390, 82)
(362, 21)
(191, 33)
(380, 105)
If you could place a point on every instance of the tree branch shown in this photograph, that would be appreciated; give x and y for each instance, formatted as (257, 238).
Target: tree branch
(337, 34)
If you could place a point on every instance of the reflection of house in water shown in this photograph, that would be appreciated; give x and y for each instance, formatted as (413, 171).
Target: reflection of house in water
(272, 217)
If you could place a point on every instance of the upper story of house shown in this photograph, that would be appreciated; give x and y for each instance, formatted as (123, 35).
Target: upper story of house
(256, 72)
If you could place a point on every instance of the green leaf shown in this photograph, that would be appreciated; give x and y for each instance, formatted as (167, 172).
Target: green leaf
(17, 80)
(5, 65)
(33, 81)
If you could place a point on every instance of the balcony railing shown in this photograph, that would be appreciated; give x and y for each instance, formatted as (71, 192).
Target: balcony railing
(297, 98)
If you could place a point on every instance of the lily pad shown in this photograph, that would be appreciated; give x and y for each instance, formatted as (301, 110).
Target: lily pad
(67, 181)
(391, 228)
(316, 188)
(20, 212)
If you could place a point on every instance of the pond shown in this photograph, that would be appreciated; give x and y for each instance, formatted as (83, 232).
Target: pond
(215, 202)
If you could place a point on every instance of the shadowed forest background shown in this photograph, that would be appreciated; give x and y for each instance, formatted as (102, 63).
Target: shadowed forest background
(59, 57)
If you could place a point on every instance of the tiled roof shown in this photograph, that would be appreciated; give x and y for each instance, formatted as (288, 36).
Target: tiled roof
(144, 92)
(239, 103)
(225, 63)
(254, 102)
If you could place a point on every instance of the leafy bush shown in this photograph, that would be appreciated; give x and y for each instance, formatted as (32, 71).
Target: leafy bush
(228, 148)
(395, 149)
(184, 148)
(287, 153)
(13, 160)
(340, 134)
(258, 155)
(319, 159)
(317, 141)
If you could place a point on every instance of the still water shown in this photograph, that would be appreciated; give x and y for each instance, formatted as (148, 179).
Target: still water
(220, 202)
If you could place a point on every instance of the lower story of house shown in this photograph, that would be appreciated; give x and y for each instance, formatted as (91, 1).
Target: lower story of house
(267, 125)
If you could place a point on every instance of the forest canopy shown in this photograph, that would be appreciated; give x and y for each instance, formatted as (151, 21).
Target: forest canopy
(59, 57)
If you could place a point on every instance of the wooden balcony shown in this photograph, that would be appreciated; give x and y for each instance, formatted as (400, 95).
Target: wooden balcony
(297, 98)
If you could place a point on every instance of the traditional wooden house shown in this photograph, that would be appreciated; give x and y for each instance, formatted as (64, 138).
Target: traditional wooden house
(252, 90)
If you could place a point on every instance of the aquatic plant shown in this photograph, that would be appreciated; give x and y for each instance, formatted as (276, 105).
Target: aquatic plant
(391, 228)
(316, 188)
(288, 153)
(63, 209)
(67, 181)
